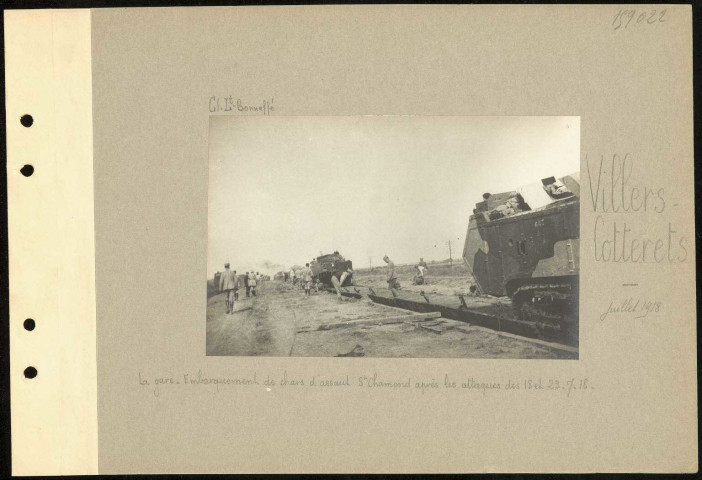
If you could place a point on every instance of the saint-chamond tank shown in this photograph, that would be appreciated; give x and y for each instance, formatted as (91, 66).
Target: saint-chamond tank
(524, 244)
(324, 266)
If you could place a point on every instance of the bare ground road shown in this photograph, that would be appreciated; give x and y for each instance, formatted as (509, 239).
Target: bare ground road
(262, 325)
(281, 321)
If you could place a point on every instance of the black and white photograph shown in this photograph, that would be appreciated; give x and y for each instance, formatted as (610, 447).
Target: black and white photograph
(393, 236)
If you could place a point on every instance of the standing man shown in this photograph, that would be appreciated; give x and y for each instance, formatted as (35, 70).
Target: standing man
(423, 269)
(391, 278)
(246, 284)
(252, 283)
(227, 283)
(307, 278)
(419, 276)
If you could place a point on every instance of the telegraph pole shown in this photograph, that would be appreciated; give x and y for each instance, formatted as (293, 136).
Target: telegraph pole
(450, 255)
(370, 263)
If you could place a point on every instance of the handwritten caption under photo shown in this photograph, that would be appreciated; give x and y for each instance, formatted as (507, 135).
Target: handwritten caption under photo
(159, 384)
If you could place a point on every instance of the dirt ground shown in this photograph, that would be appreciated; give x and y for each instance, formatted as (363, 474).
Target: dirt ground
(281, 321)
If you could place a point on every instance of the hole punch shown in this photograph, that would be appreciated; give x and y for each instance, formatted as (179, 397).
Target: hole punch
(26, 120)
(29, 324)
(30, 372)
(27, 170)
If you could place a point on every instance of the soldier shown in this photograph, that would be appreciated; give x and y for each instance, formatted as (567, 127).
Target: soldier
(227, 282)
(252, 284)
(337, 286)
(391, 278)
(345, 275)
(258, 279)
(246, 284)
(307, 278)
(419, 276)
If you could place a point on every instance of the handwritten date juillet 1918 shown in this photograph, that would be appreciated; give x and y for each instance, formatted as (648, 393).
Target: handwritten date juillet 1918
(636, 308)
(232, 104)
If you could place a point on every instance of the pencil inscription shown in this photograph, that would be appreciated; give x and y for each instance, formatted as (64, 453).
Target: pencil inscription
(638, 308)
(624, 18)
(232, 104)
(222, 383)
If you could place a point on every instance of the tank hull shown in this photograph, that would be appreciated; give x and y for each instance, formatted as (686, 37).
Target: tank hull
(531, 255)
(533, 244)
(326, 266)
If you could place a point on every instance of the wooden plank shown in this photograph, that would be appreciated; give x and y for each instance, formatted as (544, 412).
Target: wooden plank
(433, 329)
(383, 321)
(433, 323)
(543, 343)
(390, 306)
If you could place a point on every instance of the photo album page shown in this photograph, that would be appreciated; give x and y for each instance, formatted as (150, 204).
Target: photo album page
(351, 239)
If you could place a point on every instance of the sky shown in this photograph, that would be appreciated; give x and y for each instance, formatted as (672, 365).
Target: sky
(285, 189)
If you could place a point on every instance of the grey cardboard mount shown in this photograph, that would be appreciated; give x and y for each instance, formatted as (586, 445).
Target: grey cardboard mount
(108, 238)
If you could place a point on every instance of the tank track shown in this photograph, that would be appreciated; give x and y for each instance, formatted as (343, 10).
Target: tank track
(550, 306)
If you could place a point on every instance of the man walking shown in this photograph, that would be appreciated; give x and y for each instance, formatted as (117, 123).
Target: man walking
(227, 283)
(307, 279)
(252, 283)
(391, 278)
(246, 284)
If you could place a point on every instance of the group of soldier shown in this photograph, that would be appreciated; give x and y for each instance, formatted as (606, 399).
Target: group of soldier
(419, 278)
(308, 282)
(304, 278)
(391, 278)
(338, 279)
(229, 283)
